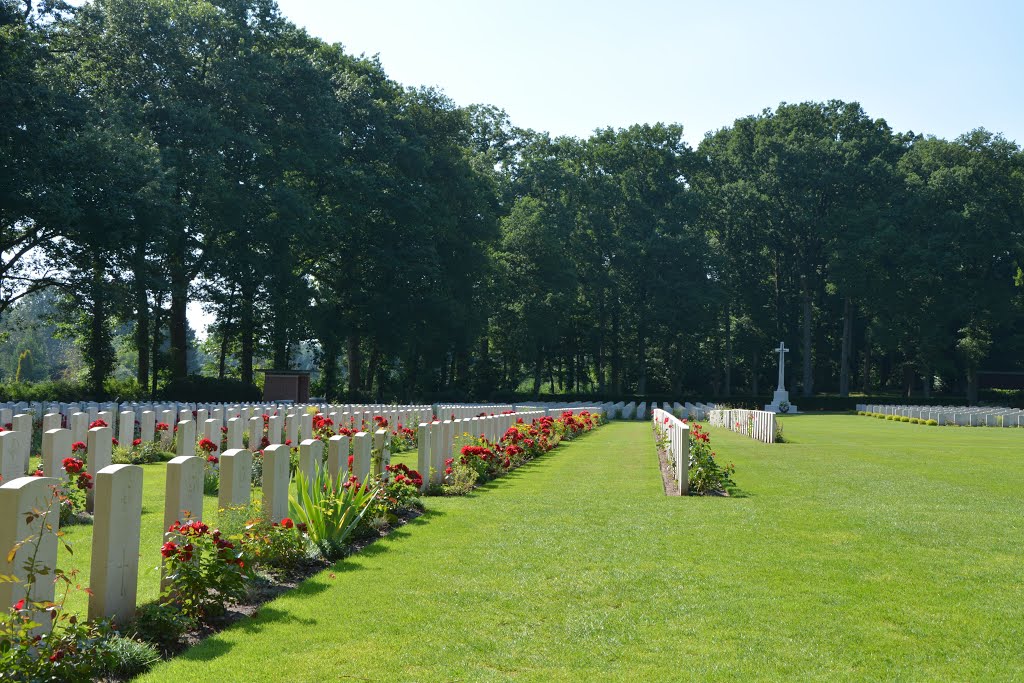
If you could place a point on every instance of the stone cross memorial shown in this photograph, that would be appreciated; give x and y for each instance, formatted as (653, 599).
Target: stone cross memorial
(780, 401)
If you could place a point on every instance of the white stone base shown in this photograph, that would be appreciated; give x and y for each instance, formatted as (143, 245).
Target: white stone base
(774, 408)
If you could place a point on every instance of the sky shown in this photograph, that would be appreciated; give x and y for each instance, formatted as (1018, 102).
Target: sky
(569, 67)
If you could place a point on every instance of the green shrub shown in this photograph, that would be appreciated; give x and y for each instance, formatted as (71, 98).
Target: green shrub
(861, 412)
(914, 420)
(131, 657)
(461, 479)
(163, 625)
(148, 452)
(330, 509)
(880, 416)
(932, 423)
(904, 418)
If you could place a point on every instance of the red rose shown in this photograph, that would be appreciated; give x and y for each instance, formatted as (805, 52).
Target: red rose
(20, 605)
(169, 549)
(287, 523)
(137, 442)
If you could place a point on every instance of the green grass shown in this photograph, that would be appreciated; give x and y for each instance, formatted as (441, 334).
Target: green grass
(861, 550)
(79, 536)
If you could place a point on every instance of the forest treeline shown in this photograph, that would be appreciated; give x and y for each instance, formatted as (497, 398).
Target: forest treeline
(155, 153)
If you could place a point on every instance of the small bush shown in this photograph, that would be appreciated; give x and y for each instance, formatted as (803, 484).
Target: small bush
(904, 418)
(932, 423)
(914, 421)
(880, 416)
(163, 625)
(131, 657)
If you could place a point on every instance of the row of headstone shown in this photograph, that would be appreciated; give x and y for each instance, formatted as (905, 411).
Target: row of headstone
(116, 500)
(964, 416)
(677, 434)
(287, 424)
(757, 424)
(634, 411)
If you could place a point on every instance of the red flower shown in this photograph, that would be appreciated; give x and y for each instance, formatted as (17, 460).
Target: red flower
(20, 605)
(223, 430)
(162, 426)
(212, 459)
(38, 473)
(114, 442)
(351, 461)
(207, 445)
(137, 442)
(287, 523)
(85, 481)
(97, 423)
(78, 446)
(73, 465)
(169, 549)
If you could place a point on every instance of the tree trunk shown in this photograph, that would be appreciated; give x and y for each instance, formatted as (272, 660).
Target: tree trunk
(844, 354)
(330, 367)
(178, 322)
(354, 379)
(755, 370)
(98, 364)
(808, 366)
(865, 380)
(727, 389)
(538, 369)
(247, 330)
(142, 331)
(972, 385)
(926, 383)
(616, 361)
(371, 371)
(158, 303)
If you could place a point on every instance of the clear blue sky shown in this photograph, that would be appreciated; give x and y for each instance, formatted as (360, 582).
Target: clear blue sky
(571, 66)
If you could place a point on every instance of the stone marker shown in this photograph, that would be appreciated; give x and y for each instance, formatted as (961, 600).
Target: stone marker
(436, 453)
(255, 431)
(56, 447)
(100, 449)
(10, 456)
(234, 433)
(276, 460)
(311, 458)
(184, 490)
(116, 529)
(126, 429)
(337, 456)
(423, 453)
(274, 430)
(186, 439)
(147, 426)
(18, 497)
(23, 427)
(51, 421)
(235, 478)
(361, 452)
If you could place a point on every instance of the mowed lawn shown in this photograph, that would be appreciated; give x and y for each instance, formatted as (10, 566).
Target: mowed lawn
(861, 550)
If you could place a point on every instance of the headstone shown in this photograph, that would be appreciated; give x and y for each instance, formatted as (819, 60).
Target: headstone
(183, 490)
(306, 425)
(126, 429)
(276, 460)
(56, 447)
(51, 421)
(423, 453)
(147, 426)
(100, 449)
(234, 440)
(361, 452)
(23, 427)
(255, 431)
(311, 458)
(18, 497)
(10, 456)
(235, 478)
(116, 529)
(274, 429)
(337, 456)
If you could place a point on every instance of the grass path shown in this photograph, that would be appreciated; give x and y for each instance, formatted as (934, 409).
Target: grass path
(862, 550)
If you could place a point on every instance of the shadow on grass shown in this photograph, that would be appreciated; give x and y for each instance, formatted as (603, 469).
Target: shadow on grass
(214, 646)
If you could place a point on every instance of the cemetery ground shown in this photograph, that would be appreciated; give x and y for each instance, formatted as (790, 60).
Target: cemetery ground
(859, 549)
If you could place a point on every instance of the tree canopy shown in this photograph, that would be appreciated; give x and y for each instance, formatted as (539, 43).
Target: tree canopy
(159, 153)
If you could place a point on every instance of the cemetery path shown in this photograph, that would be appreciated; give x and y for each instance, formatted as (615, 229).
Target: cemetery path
(854, 552)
